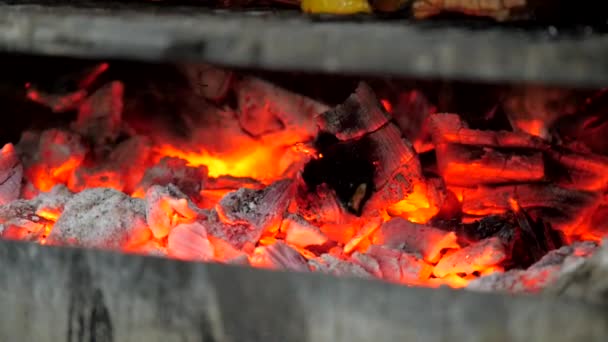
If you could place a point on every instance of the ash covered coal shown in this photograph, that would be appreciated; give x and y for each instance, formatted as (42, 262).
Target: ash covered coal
(267, 177)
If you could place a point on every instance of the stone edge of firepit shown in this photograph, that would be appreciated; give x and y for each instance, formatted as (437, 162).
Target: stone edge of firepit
(64, 293)
(263, 40)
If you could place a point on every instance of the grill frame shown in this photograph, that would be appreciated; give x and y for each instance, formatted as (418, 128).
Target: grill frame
(290, 41)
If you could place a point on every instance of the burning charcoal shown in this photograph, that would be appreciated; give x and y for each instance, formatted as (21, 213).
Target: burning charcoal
(56, 156)
(496, 200)
(411, 113)
(100, 116)
(188, 241)
(233, 183)
(100, 177)
(18, 221)
(586, 279)
(369, 263)
(261, 209)
(359, 115)
(320, 206)
(300, 233)
(366, 231)
(473, 258)
(542, 274)
(225, 252)
(415, 238)
(587, 172)
(166, 207)
(51, 204)
(131, 158)
(268, 111)
(449, 128)
(11, 173)
(498, 10)
(329, 264)
(207, 81)
(279, 256)
(470, 166)
(100, 218)
(240, 236)
(188, 179)
(400, 267)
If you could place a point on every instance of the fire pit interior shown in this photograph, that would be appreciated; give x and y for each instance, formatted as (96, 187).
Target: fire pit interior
(426, 183)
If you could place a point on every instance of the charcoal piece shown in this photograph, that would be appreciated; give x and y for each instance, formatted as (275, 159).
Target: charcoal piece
(586, 125)
(473, 258)
(329, 264)
(411, 113)
(261, 209)
(225, 252)
(543, 274)
(472, 166)
(359, 115)
(238, 235)
(533, 240)
(188, 241)
(50, 157)
(488, 226)
(100, 115)
(301, 233)
(100, 176)
(166, 207)
(18, 221)
(52, 203)
(270, 112)
(428, 242)
(227, 182)
(279, 256)
(320, 206)
(398, 266)
(580, 171)
(170, 170)
(367, 229)
(11, 173)
(450, 128)
(100, 218)
(131, 158)
(497, 200)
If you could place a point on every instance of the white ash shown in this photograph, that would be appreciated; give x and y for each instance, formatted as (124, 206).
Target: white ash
(329, 264)
(11, 174)
(99, 218)
(415, 238)
(369, 263)
(163, 204)
(238, 235)
(279, 256)
(301, 233)
(54, 200)
(540, 275)
(188, 241)
(260, 209)
(475, 257)
(398, 266)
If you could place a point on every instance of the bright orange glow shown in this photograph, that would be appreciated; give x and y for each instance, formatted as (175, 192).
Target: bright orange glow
(256, 161)
(533, 127)
(387, 105)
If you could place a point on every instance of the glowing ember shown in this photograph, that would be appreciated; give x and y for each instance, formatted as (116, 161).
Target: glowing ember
(362, 206)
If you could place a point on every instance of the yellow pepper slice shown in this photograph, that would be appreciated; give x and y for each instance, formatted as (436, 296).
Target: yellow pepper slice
(336, 6)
